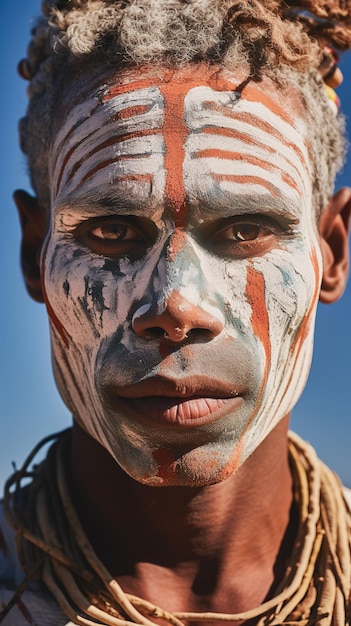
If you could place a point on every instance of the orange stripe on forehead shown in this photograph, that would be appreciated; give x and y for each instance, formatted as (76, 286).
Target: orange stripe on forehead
(237, 156)
(112, 140)
(248, 180)
(124, 114)
(174, 86)
(150, 76)
(233, 133)
(254, 94)
(120, 177)
(255, 122)
(175, 132)
(137, 109)
(144, 178)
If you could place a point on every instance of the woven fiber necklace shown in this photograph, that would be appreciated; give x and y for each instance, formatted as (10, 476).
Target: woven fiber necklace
(315, 589)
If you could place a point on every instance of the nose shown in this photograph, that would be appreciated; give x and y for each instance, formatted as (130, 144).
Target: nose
(178, 321)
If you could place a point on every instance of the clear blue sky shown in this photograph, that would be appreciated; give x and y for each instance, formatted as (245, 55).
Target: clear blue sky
(30, 405)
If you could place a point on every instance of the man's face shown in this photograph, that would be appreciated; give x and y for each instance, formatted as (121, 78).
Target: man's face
(182, 268)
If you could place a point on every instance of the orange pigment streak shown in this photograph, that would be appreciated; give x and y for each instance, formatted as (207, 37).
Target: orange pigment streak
(234, 133)
(234, 462)
(175, 133)
(167, 466)
(147, 177)
(178, 240)
(253, 141)
(255, 122)
(248, 180)
(111, 141)
(305, 325)
(174, 86)
(237, 156)
(66, 138)
(137, 109)
(253, 94)
(255, 294)
(304, 328)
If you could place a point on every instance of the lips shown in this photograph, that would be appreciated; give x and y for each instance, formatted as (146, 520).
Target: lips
(180, 403)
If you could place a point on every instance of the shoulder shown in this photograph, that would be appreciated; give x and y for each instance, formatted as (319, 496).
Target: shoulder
(36, 606)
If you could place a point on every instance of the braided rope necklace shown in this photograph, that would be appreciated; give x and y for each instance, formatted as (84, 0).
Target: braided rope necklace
(315, 588)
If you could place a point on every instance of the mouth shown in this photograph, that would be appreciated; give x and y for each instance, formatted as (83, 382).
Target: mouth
(181, 403)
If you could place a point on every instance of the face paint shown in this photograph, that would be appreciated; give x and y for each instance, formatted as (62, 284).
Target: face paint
(182, 269)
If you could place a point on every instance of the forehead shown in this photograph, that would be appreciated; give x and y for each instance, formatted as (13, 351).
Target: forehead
(160, 129)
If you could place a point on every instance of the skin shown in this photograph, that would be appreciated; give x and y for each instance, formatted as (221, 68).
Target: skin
(175, 346)
(210, 292)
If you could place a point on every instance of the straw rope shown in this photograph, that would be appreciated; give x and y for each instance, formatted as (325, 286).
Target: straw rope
(315, 589)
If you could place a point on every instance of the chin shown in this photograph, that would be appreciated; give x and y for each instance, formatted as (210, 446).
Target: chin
(199, 467)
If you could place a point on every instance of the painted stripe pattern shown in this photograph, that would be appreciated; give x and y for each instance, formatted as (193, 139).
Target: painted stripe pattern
(181, 151)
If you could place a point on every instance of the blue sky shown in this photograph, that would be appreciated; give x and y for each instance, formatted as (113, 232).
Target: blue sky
(31, 407)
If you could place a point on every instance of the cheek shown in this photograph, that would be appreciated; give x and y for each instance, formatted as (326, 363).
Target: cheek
(295, 286)
(291, 288)
(89, 298)
(75, 290)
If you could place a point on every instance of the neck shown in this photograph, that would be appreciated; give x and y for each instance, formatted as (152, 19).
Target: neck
(243, 520)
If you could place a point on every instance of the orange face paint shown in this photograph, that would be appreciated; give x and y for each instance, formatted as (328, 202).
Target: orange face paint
(163, 168)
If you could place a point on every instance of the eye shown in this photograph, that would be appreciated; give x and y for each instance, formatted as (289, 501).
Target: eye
(243, 232)
(115, 236)
(248, 237)
(112, 232)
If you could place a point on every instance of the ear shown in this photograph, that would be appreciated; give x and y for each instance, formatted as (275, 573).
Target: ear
(334, 228)
(33, 224)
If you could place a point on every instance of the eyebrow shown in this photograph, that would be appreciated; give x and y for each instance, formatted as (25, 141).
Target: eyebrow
(115, 202)
(244, 204)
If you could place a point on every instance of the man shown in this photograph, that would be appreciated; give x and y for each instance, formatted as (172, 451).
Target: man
(183, 228)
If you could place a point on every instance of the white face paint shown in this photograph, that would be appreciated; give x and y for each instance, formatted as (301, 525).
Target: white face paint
(182, 269)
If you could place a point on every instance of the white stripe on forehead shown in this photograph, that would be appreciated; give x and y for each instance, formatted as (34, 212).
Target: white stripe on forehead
(288, 161)
(93, 146)
(237, 175)
(234, 175)
(199, 114)
(87, 124)
(109, 165)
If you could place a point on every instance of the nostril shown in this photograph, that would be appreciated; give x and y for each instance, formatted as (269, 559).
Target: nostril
(199, 335)
(178, 321)
(171, 334)
(153, 333)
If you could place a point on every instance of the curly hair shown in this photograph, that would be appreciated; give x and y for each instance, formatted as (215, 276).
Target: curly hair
(284, 40)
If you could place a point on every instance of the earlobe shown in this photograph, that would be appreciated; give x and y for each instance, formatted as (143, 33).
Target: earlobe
(334, 228)
(33, 224)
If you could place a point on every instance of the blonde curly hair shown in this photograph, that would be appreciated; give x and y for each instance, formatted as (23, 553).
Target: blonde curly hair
(285, 40)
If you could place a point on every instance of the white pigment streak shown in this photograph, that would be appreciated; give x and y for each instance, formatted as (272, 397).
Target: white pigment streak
(102, 124)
